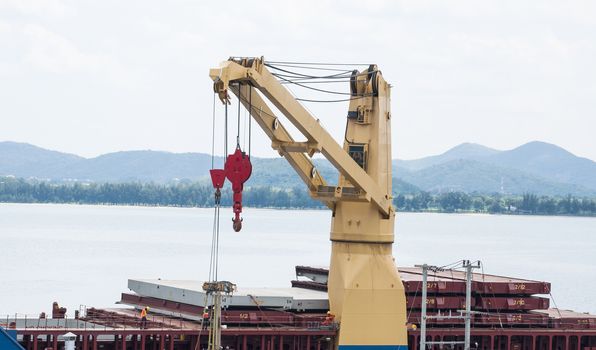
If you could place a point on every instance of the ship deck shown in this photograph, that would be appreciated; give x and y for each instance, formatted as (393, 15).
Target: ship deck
(292, 318)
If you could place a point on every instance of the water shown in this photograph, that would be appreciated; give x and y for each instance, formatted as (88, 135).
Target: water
(83, 255)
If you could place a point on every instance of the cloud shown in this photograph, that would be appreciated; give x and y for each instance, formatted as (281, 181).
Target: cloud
(51, 52)
(45, 8)
(466, 63)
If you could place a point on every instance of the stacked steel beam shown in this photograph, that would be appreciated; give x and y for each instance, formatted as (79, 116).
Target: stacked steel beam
(497, 300)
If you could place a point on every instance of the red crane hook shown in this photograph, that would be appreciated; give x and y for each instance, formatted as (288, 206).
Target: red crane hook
(238, 169)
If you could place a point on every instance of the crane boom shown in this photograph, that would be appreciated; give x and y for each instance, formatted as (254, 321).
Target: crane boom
(365, 291)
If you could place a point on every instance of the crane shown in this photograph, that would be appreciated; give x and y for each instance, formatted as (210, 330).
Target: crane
(366, 294)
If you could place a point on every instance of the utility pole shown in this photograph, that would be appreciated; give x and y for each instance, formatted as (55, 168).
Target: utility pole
(468, 266)
(423, 314)
(466, 315)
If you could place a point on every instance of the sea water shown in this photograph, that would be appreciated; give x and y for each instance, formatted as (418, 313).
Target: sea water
(84, 254)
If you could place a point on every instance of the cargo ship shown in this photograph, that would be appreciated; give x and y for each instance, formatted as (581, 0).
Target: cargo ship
(362, 301)
(510, 314)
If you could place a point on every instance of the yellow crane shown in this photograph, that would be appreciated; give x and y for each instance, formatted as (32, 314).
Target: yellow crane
(366, 294)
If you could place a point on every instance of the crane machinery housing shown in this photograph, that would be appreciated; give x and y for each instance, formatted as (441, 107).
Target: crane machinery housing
(366, 294)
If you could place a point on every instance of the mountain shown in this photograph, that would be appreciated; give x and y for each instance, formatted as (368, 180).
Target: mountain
(277, 172)
(143, 166)
(463, 151)
(536, 167)
(476, 176)
(548, 161)
(548, 166)
(25, 160)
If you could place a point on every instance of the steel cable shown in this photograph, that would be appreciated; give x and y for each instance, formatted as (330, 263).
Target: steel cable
(319, 63)
(296, 74)
(316, 89)
(306, 67)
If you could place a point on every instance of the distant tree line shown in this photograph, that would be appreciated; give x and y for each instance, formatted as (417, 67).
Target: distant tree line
(451, 202)
(200, 195)
(179, 194)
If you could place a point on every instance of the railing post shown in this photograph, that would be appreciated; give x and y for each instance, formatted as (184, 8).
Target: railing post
(423, 312)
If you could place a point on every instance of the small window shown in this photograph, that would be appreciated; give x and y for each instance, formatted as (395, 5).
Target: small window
(358, 153)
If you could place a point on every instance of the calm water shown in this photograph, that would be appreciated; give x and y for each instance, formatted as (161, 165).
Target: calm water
(83, 255)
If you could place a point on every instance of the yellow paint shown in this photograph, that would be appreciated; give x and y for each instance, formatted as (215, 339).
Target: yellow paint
(365, 291)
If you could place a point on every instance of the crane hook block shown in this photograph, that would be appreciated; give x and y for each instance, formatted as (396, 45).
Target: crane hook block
(237, 169)
(218, 177)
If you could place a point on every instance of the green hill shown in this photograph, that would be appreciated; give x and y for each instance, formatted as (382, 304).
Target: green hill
(536, 167)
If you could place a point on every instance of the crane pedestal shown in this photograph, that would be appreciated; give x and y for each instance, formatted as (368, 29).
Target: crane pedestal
(366, 292)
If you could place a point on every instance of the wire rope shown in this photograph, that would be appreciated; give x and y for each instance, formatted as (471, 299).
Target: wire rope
(213, 136)
(226, 133)
(328, 101)
(319, 63)
(309, 81)
(331, 76)
(298, 75)
(317, 89)
(293, 77)
(307, 67)
(238, 130)
(244, 125)
(249, 119)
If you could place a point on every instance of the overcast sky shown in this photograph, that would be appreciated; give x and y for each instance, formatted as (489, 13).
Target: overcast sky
(90, 77)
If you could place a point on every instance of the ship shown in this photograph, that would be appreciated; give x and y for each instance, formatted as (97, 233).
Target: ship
(510, 314)
(362, 301)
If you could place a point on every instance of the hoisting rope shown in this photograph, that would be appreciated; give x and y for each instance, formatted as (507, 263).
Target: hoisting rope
(213, 136)
(247, 120)
(214, 258)
(217, 179)
(238, 129)
(237, 168)
(249, 117)
(226, 133)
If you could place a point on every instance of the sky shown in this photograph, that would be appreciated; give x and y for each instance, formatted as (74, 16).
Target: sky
(91, 77)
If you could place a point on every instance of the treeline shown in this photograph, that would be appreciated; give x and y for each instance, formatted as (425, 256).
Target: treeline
(452, 202)
(179, 194)
(200, 195)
